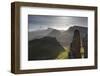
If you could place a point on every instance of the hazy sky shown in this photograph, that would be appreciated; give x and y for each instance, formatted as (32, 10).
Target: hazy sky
(39, 22)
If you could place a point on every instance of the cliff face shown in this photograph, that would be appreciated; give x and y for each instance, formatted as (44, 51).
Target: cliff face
(85, 46)
(75, 46)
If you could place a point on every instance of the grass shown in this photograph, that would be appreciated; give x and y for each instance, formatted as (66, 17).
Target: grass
(64, 54)
(82, 52)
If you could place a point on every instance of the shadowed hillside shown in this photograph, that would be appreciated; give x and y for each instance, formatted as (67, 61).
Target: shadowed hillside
(44, 48)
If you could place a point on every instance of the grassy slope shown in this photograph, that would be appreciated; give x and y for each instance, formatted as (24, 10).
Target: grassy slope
(64, 55)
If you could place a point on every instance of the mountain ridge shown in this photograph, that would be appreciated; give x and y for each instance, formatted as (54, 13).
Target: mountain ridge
(64, 37)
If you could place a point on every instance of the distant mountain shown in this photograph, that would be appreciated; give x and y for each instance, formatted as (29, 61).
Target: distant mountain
(78, 28)
(44, 48)
(39, 33)
(64, 38)
(54, 33)
(67, 35)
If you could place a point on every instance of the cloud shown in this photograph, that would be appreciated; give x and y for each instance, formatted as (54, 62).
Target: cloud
(36, 22)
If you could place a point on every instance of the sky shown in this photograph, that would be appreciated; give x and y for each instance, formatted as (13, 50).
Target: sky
(40, 22)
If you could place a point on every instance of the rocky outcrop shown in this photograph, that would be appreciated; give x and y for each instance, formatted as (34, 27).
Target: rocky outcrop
(85, 46)
(75, 46)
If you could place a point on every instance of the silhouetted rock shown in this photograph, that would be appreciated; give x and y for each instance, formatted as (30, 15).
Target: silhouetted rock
(44, 48)
(75, 46)
(85, 46)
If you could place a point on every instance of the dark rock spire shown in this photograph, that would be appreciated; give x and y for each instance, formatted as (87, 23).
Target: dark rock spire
(85, 46)
(75, 46)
